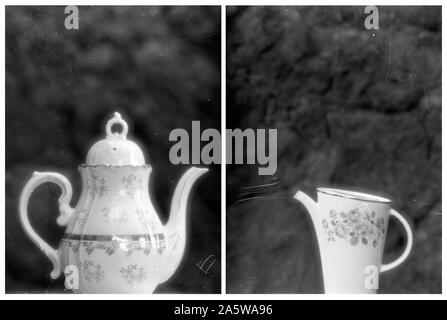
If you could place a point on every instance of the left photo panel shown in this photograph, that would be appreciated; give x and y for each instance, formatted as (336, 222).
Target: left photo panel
(113, 162)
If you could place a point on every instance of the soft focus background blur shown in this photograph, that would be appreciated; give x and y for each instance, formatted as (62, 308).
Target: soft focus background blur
(158, 66)
(354, 108)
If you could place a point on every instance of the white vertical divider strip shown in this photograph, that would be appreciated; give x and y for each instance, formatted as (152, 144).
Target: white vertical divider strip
(223, 153)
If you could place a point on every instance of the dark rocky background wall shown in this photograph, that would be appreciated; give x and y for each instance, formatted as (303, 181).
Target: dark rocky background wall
(160, 67)
(354, 108)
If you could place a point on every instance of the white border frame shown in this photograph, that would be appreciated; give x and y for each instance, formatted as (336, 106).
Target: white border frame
(223, 296)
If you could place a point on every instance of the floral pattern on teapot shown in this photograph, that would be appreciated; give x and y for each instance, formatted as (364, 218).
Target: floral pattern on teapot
(92, 272)
(133, 274)
(359, 225)
(132, 184)
(113, 217)
(98, 186)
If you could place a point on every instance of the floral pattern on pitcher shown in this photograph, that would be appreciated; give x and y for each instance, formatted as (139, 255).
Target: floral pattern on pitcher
(133, 274)
(359, 225)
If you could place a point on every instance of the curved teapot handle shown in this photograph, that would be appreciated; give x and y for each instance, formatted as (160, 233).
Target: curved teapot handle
(64, 208)
(406, 253)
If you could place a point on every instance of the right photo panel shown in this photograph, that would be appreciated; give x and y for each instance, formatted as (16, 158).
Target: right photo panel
(334, 149)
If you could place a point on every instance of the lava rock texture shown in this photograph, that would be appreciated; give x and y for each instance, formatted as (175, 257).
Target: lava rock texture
(354, 108)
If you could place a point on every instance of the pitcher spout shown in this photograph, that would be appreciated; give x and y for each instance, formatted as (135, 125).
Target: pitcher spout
(312, 208)
(175, 229)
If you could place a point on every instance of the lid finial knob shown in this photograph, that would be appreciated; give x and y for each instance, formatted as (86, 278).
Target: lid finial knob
(116, 120)
(115, 149)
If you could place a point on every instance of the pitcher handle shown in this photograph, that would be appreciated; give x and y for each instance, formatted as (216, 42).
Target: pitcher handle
(406, 253)
(64, 217)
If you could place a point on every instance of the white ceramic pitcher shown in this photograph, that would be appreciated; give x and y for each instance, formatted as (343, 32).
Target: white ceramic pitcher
(351, 228)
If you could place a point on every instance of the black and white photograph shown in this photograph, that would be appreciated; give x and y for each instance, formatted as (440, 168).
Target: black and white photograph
(97, 200)
(351, 96)
(222, 159)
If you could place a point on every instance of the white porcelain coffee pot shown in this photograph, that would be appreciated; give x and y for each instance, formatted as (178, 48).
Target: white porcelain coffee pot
(114, 241)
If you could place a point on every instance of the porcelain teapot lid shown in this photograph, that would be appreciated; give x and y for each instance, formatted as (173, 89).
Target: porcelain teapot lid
(115, 149)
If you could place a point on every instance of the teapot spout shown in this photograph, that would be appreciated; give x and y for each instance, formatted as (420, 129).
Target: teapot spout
(175, 229)
(312, 208)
